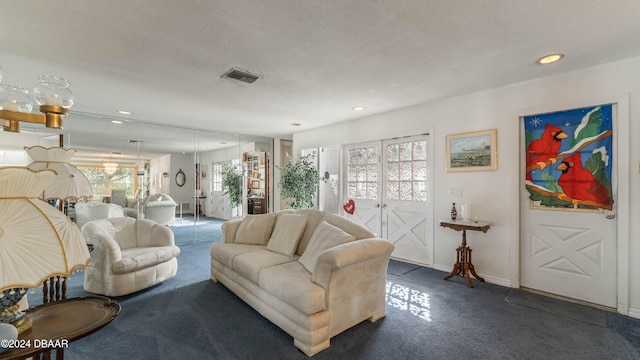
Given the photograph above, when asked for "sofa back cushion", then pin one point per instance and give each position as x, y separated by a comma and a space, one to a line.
357, 230
287, 232
314, 219
255, 229
325, 237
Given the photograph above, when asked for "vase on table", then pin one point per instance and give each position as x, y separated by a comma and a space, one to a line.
465, 211
454, 212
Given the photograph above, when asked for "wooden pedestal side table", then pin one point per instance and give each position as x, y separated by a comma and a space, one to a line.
56, 324
463, 265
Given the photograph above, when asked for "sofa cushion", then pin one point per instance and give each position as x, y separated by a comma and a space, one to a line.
139, 258
224, 253
326, 236
255, 229
315, 218
292, 284
360, 232
251, 263
287, 233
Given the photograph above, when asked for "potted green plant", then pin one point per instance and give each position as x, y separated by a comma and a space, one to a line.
232, 184
299, 181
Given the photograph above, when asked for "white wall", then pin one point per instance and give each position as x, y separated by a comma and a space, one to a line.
494, 193
182, 193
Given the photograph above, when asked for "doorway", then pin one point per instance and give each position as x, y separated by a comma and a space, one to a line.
388, 190
568, 204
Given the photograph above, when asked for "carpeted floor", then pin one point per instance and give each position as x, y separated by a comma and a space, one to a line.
187, 230
190, 317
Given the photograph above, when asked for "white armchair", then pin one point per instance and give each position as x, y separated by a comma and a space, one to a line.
128, 255
159, 208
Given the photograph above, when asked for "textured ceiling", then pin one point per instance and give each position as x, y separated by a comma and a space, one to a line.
163, 59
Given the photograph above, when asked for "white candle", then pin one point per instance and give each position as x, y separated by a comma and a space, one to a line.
11, 105
53, 100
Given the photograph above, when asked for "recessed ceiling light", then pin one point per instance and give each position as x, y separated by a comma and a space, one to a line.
116, 121
296, 124
358, 108
124, 112
550, 59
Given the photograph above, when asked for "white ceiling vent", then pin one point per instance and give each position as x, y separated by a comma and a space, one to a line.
240, 75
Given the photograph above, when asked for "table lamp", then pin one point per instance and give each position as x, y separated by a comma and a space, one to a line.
36, 240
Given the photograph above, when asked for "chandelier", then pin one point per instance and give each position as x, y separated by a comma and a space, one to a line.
110, 167
51, 93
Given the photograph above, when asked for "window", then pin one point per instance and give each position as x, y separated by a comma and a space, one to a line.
125, 178
216, 176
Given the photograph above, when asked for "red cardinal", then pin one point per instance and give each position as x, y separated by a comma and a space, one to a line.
579, 184
544, 148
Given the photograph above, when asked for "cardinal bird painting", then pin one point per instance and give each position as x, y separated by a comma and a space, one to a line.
568, 156
545, 148
579, 184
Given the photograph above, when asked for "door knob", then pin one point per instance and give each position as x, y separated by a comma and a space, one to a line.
610, 215
377, 205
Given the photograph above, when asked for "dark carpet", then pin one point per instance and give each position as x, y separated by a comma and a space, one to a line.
559, 307
190, 317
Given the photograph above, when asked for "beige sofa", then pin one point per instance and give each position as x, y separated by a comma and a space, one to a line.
312, 274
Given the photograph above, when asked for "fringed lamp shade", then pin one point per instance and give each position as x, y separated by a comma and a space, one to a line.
69, 183
36, 240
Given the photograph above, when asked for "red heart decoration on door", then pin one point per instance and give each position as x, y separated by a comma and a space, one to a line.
349, 207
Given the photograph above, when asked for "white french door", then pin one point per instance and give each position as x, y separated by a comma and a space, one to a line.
389, 183
571, 252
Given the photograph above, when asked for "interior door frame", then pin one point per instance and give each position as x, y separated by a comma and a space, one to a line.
622, 146
343, 196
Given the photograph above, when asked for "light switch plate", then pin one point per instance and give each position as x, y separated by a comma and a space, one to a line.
455, 191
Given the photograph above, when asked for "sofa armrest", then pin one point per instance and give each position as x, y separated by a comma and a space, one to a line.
162, 236
105, 252
344, 256
229, 229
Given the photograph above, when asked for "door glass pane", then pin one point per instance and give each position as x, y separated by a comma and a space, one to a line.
420, 191
407, 171
362, 173
372, 155
352, 173
406, 191
405, 152
352, 191
372, 173
419, 170
372, 190
392, 153
393, 190
420, 150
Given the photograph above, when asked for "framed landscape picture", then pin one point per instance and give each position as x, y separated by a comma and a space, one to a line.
473, 151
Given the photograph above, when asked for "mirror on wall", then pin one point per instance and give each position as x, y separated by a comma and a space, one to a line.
149, 158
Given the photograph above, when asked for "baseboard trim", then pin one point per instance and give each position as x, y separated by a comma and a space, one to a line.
634, 313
